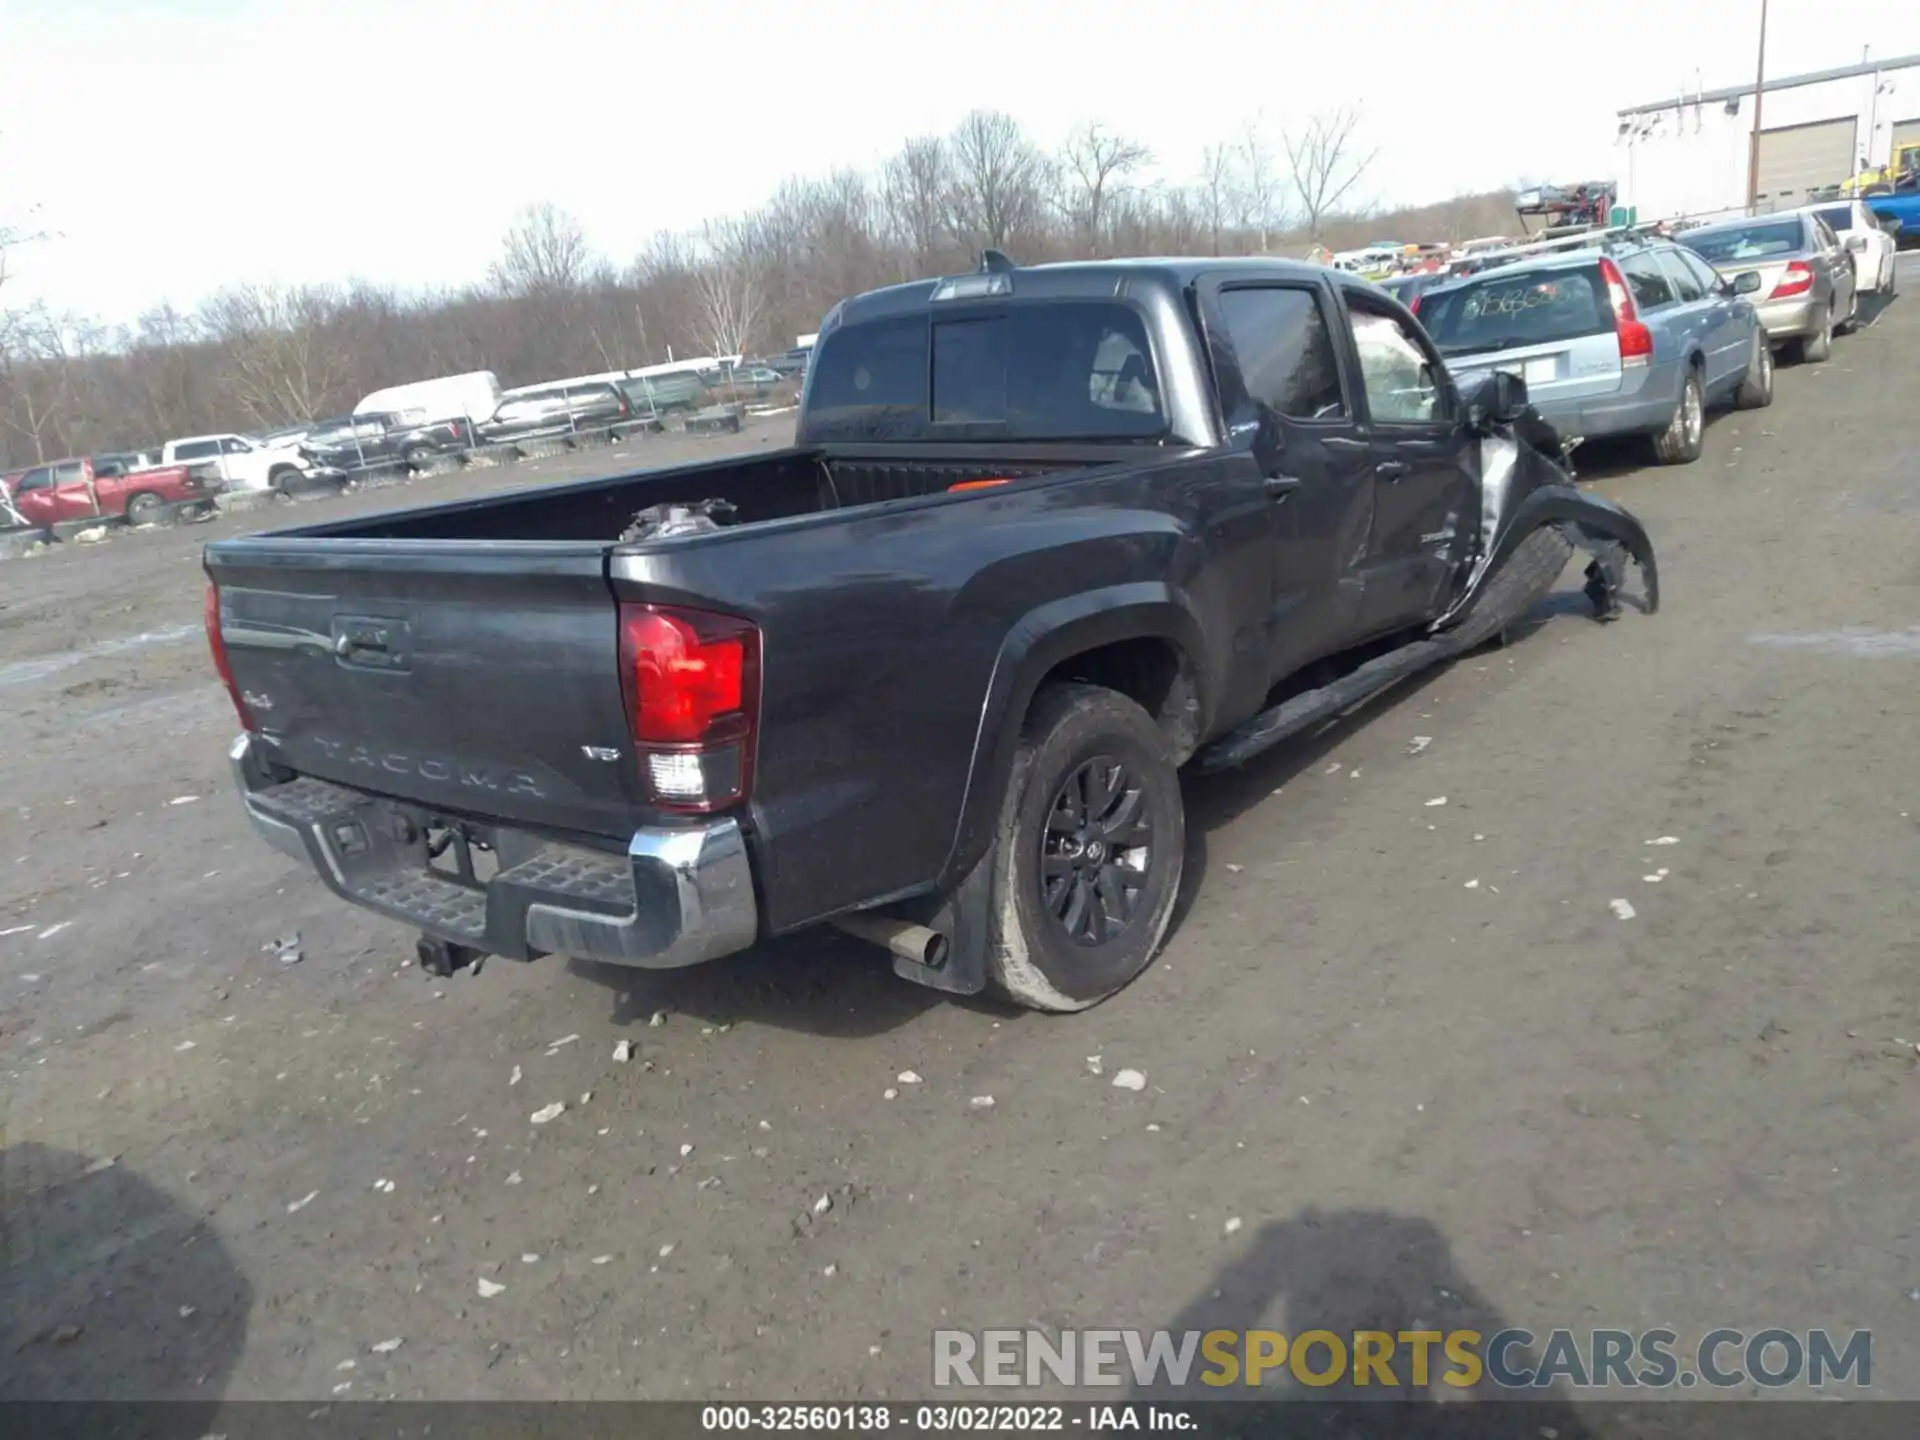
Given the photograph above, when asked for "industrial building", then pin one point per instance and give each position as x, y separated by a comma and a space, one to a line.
1689, 154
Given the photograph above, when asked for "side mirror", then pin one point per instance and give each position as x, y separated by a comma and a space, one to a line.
1856, 243
1500, 399
1747, 282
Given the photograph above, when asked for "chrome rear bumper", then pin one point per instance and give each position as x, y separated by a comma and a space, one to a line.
676, 897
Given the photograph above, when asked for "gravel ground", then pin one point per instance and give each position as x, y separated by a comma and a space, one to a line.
1409, 1046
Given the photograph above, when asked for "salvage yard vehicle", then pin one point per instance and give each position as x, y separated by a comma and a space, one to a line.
545, 412
243, 462
1628, 336
1802, 283
105, 487
1046, 536
1867, 240
373, 438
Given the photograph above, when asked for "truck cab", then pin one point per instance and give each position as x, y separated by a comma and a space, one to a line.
240, 461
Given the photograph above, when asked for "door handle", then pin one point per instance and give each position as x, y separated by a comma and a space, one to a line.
1391, 469
1279, 487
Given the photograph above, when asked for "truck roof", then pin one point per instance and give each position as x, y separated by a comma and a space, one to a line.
1091, 279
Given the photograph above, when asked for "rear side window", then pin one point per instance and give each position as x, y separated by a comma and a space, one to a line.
196, 449
1046, 371
1504, 311
1649, 283
1839, 217
1285, 351
1686, 284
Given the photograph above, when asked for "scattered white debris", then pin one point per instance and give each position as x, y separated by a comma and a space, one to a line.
586, 1097
1129, 1080
1233, 1225
1479, 837
294, 1207
343, 1387
603, 1259
1153, 1127
907, 1077
384, 1186
183, 800
530, 1259
686, 1149
183, 1047
490, 1288
16, 930
187, 1312
657, 1019
765, 1125
1418, 743
1665, 840
53, 930
1334, 769
563, 1040
823, 1204
831, 1271
1653, 879
1473, 885
981, 1102
387, 1347
889, 1093
873, 1349
287, 949
514, 1178
1093, 1063
666, 1250
1436, 802
549, 1112
347, 1365
1622, 908
514, 1078
1235, 869
623, 1051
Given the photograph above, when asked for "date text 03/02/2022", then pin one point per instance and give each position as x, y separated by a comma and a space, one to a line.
880, 1417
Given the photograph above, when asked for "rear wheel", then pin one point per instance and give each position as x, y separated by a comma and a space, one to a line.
281, 478
145, 509
1681, 442
417, 456
1091, 847
1816, 348
1756, 391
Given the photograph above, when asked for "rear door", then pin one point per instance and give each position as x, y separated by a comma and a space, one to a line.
1552, 326
1421, 487
1285, 399
472, 678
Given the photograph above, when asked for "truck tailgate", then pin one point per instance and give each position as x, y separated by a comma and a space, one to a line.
480, 678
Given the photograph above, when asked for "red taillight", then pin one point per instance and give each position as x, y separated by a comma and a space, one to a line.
1796, 279
217, 643
977, 484
1636, 341
692, 682
1413, 305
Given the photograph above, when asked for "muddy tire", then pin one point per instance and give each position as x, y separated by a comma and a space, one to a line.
145, 509
1091, 845
1685, 436
417, 457
1756, 391
1814, 349
1519, 585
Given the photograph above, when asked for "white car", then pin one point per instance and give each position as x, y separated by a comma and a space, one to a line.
1867, 240
243, 462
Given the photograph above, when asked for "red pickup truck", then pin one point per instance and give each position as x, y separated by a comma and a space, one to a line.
106, 488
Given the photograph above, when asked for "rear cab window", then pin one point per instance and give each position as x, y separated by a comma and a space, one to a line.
1043, 370
1505, 310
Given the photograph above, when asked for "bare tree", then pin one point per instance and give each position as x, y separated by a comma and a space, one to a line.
1215, 193
730, 287
1325, 164
283, 357
995, 189
544, 252
913, 190
1096, 164
1257, 182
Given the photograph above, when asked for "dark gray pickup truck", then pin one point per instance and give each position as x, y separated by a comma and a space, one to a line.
1046, 536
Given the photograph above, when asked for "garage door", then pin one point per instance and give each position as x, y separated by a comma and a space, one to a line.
1799, 158
1905, 132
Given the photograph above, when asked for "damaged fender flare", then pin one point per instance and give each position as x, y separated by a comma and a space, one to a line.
1590, 521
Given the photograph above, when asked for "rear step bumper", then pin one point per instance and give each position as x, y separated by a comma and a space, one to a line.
677, 897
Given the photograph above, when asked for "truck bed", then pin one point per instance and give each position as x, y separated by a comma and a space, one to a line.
777, 486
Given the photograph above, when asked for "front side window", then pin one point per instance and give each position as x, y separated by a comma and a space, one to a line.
1401, 386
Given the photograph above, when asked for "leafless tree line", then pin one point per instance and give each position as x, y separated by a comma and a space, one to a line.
258, 356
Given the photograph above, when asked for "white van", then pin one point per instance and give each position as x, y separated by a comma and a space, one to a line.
475, 395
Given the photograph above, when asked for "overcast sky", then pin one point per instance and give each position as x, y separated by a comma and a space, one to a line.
176, 146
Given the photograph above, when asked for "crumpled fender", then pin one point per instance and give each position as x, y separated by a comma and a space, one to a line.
1522, 489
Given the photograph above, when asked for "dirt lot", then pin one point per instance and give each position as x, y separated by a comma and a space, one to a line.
1407, 1045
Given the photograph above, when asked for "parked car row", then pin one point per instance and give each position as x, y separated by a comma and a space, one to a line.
1634, 333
